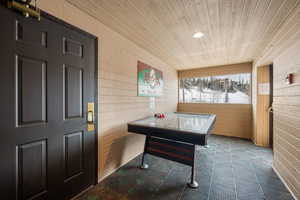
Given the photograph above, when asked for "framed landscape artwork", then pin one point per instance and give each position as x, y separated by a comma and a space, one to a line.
150, 81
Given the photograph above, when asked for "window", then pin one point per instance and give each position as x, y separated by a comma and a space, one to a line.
233, 88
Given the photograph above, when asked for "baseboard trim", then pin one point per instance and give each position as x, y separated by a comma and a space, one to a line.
113, 171
285, 184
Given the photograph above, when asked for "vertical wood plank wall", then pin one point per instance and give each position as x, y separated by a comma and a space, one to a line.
287, 118
118, 101
261, 136
232, 119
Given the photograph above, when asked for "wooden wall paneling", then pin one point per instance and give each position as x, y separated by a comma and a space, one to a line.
287, 176
216, 70
262, 134
254, 100
286, 35
232, 119
286, 106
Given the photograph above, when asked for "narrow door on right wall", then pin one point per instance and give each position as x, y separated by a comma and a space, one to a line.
264, 106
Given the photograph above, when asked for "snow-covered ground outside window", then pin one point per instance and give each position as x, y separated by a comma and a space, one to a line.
234, 88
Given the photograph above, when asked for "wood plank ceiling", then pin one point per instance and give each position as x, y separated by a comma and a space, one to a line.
235, 30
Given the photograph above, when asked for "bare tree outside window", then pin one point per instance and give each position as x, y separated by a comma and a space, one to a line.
233, 88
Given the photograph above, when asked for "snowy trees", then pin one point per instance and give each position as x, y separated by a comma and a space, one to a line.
234, 88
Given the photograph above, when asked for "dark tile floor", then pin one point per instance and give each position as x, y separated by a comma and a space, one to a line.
231, 169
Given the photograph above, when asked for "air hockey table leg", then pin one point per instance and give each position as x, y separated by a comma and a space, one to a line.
206, 146
193, 184
143, 164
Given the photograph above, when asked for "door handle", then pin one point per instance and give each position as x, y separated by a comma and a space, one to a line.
270, 109
90, 117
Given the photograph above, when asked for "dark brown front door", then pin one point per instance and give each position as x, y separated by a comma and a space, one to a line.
47, 79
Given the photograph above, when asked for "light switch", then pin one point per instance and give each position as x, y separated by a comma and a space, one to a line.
152, 103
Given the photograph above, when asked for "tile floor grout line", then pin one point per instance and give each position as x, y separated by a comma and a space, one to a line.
211, 179
260, 187
235, 185
185, 187
182, 192
168, 174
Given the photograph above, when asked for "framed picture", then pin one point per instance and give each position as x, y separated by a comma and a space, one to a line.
150, 81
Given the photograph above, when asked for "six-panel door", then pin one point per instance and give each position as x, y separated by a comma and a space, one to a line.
47, 79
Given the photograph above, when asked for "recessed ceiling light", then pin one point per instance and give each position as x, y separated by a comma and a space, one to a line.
198, 35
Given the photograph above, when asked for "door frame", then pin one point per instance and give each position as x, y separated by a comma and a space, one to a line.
95, 38
271, 136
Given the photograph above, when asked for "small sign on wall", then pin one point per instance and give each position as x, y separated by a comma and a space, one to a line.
264, 88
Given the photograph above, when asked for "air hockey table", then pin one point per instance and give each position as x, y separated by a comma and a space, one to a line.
174, 137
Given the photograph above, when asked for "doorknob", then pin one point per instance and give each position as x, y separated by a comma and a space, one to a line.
90, 117
270, 109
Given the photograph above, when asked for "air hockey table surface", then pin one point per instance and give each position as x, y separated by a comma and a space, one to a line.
184, 127
174, 137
